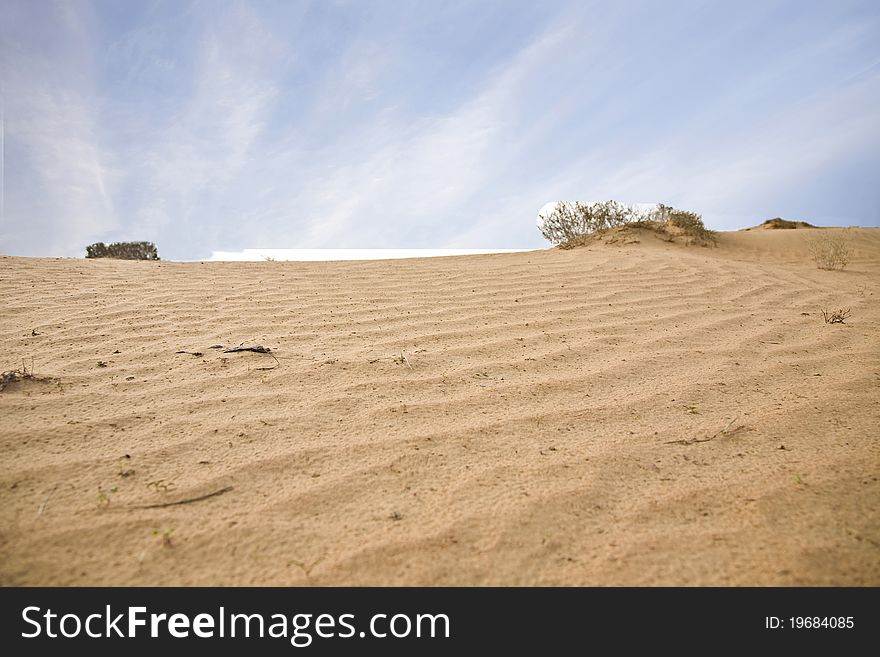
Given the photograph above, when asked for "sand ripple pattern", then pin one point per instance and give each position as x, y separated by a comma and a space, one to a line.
523, 419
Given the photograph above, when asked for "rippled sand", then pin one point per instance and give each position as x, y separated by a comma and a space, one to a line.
645, 413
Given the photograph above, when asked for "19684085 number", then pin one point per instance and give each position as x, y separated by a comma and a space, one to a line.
810, 622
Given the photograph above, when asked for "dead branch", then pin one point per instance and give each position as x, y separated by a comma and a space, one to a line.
835, 317
188, 500
46, 501
403, 360
277, 363
693, 441
257, 349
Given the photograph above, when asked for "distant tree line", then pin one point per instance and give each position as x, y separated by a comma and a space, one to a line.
123, 251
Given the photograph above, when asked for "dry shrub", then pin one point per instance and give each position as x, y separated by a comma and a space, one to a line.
576, 224
830, 250
778, 223
24, 374
570, 223
689, 224
835, 317
123, 251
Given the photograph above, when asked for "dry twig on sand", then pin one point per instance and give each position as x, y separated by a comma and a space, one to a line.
835, 317
257, 349
692, 441
403, 360
188, 500
46, 501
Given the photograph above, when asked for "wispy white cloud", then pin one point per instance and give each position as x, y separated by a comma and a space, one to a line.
409, 176
210, 127
199, 150
58, 173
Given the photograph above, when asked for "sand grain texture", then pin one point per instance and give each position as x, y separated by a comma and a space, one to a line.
549, 423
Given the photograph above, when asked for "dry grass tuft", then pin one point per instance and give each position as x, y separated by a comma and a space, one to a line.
830, 250
835, 317
688, 224
21, 374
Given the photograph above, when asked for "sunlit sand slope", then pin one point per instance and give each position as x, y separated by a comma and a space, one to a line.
645, 413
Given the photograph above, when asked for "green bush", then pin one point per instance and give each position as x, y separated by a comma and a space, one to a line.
123, 251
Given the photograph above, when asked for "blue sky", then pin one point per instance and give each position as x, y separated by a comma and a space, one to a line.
218, 125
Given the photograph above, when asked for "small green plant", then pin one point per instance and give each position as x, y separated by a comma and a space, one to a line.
104, 497
830, 250
164, 536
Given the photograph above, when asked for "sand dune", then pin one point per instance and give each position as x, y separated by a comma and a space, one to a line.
646, 413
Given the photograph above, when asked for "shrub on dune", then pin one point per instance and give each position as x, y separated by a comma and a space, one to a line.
830, 250
689, 224
123, 251
570, 224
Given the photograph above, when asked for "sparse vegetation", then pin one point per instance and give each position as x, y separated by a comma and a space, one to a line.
160, 485
103, 500
123, 251
575, 224
14, 376
830, 250
689, 224
22, 374
402, 360
785, 224
836, 316
570, 223
164, 536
